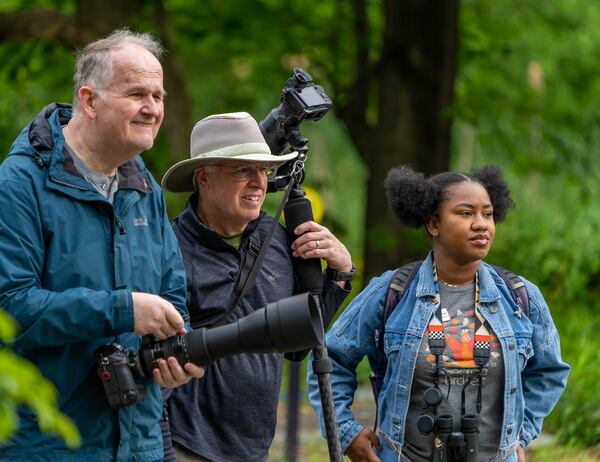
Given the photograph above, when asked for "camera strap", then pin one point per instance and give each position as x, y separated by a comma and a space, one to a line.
481, 344
253, 259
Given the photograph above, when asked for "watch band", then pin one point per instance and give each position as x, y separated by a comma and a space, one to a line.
335, 275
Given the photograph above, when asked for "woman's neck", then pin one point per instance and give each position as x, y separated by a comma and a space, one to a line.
454, 273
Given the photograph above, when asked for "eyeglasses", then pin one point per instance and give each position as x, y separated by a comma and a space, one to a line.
248, 172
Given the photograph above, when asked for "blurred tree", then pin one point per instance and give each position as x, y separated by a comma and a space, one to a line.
394, 107
391, 66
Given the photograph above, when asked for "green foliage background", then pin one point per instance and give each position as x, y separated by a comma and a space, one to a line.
527, 99
22, 384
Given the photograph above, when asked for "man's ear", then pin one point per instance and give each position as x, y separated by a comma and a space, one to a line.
432, 226
87, 100
201, 176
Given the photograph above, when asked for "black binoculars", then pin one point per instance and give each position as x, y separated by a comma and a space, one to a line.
449, 445
459, 446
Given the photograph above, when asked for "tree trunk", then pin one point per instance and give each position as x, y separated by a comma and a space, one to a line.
413, 81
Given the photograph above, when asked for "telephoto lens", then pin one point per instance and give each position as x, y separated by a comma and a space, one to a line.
288, 325
470, 427
444, 428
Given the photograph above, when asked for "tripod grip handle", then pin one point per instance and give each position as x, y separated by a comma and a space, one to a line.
309, 275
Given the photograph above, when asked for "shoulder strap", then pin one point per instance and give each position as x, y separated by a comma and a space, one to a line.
254, 257
516, 286
400, 281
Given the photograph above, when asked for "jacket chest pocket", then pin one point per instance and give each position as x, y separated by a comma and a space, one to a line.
393, 342
524, 350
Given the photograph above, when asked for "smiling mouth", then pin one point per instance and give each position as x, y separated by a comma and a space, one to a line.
480, 240
254, 199
143, 124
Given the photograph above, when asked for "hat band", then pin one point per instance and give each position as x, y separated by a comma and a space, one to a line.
236, 151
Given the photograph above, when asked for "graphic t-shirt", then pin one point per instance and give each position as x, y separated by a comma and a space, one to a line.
457, 370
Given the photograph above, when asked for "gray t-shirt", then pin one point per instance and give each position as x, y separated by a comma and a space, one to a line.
105, 185
455, 366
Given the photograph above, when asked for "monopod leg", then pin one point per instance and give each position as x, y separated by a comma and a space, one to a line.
322, 367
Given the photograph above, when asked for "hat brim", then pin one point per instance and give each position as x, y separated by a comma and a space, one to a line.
179, 177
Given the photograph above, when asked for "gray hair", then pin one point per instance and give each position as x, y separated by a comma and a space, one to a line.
93, 63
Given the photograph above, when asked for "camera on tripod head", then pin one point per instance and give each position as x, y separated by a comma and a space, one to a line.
288, 325
300, 100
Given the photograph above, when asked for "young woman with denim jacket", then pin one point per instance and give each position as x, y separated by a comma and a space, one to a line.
495, 364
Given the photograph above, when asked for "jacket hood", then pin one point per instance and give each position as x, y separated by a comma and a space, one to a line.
38, 137
43, 140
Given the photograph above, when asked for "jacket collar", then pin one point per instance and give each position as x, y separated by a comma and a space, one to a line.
488, 292
190, 221
46, 140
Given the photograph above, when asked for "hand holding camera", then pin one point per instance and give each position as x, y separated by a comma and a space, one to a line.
153, 315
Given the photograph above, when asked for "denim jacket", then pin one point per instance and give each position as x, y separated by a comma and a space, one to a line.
535, 374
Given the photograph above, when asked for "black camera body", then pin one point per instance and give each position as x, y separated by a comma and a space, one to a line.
301, 100
115, 368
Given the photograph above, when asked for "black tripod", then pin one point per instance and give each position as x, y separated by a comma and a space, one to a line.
298, 210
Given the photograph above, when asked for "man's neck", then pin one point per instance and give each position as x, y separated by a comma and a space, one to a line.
222, 229
82, 145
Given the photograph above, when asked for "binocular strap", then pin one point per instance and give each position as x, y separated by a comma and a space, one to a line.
437, 341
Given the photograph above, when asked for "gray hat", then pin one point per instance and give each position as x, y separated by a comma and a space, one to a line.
234, 136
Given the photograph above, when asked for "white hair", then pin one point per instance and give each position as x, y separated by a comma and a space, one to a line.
93, 63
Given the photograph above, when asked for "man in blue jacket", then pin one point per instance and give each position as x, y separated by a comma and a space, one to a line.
87, 255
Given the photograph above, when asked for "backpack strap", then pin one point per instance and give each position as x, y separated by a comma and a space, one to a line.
517, 289
251, 261
400, 281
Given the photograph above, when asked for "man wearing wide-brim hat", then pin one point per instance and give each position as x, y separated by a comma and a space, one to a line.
230, 414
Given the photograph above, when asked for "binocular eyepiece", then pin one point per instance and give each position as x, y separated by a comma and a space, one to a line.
288, 325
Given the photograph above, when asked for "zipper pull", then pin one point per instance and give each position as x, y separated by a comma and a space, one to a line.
120, 226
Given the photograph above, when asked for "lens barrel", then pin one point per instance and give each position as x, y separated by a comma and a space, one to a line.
288, 325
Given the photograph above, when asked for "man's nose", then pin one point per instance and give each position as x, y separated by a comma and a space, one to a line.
152, 106
258, 177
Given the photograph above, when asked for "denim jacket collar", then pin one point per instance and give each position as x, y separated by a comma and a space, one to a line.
488, 292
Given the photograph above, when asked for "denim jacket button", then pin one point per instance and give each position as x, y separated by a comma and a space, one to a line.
509, 431
513, 390
494, 309
511, 346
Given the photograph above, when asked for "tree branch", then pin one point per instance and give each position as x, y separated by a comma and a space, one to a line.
44, 25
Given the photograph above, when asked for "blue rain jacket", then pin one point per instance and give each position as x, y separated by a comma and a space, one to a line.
69, 261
